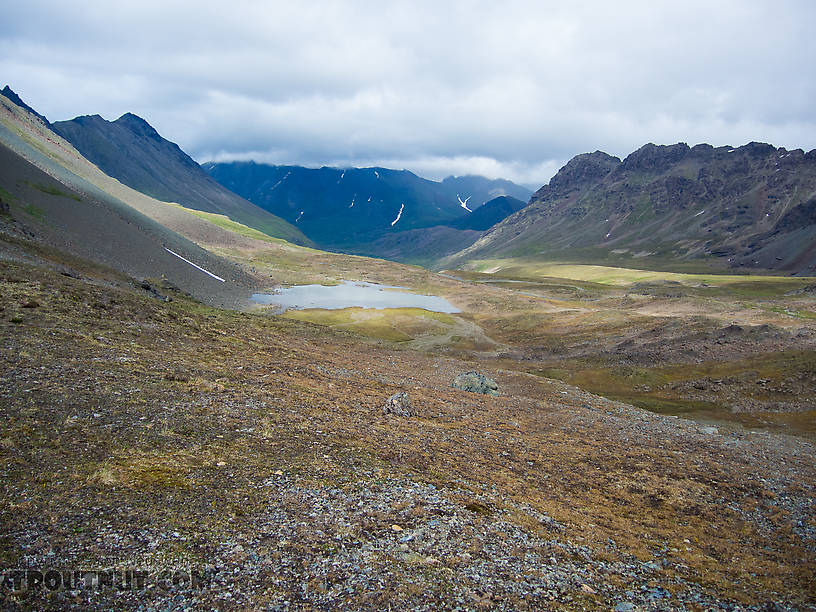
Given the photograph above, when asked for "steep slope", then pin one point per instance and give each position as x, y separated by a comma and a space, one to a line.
753, 206
349, 208
29, 136
52, 195
130, 150
46, 211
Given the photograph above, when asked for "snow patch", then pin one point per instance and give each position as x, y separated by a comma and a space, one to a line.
195, 265
399, 214
280, 181
463, 204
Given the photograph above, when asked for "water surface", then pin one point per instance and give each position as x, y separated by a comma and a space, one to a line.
350, 295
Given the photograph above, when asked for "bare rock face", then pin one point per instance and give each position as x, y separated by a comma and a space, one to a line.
476, 383
399, 404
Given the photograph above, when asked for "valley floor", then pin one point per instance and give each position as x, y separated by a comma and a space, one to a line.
253, 451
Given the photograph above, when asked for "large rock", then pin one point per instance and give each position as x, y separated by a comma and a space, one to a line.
476, 383
399, 404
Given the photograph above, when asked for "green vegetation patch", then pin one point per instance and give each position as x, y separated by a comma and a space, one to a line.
674, 389
390, 324
609, 275
228, 224
55, 191
7, 196
34, 211
799, 314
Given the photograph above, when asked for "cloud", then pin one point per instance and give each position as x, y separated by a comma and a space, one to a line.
439, 88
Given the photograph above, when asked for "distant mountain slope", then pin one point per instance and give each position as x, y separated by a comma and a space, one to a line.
130, 150
346, 208
423, 247
482, 189
753, 206
488, 215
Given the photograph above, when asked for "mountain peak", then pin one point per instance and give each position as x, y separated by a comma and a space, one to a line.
651, 157
584, 167
138, 125
132, 118
90, 119
9, 93
758, 149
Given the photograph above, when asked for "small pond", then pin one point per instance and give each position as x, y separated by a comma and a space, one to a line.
350, 295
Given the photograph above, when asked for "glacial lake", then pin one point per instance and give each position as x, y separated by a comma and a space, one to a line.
351, 294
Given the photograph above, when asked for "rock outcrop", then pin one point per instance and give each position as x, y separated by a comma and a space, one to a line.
475, 382
399, 404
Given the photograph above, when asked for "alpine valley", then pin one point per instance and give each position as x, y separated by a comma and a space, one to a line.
614, 410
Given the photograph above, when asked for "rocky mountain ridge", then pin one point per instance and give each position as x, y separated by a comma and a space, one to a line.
752, 206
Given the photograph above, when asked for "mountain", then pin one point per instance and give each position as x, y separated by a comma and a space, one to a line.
58, 208
354, 208
132, 151
753, 206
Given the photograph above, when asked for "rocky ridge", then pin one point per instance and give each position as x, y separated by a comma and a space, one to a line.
752, 206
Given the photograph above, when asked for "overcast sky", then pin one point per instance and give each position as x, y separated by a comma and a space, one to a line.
504, 89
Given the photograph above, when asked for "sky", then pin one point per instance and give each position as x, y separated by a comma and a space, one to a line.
508, 89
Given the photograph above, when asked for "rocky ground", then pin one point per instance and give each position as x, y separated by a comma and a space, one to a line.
253, 453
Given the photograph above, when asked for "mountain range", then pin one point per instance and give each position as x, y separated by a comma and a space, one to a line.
357, 209
752, 206
124, 170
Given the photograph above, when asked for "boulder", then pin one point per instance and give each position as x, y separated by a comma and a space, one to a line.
476, 383
399, 404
